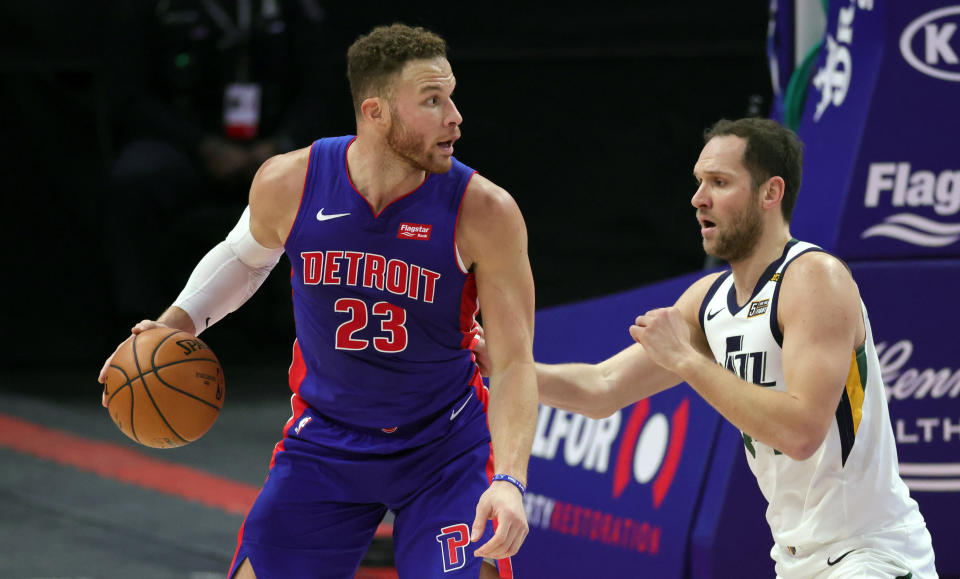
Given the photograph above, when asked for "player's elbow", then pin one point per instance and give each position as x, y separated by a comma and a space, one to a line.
598, 408
803, 445
585, 389
581, 402
800, 453
598, 401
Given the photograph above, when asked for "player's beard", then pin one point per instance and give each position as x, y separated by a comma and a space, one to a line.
410, 146
741, 239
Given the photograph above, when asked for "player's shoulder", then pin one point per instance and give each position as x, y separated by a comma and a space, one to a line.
699, 289
691, 300
489, 223
277, 189
483, 191
818, 263
281, 177
281, 169
706, 281
818, 277
817, 274
487, 204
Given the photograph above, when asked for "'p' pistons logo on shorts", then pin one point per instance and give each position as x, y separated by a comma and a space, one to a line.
453, 540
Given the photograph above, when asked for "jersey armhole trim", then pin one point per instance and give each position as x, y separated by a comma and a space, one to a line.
709, 295
775, 299
303, 194
456, 227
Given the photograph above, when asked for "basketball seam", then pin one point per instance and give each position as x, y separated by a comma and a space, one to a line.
175, 389
156, 370
133, 399
120, 387
153, 357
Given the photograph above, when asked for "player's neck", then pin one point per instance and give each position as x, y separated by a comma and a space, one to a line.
379, 174
747, 271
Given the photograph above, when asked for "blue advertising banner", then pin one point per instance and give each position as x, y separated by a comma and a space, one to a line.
881, 189
882, 179
919, 355
904, 196
618, 497
835, 115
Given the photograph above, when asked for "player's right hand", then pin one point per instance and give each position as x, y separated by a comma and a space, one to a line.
140, 327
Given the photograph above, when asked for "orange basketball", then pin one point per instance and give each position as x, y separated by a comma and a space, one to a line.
164, 388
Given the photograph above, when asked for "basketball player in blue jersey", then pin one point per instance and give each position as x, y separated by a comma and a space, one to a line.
393, 244
780, 344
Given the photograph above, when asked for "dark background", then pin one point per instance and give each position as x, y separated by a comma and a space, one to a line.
590, 114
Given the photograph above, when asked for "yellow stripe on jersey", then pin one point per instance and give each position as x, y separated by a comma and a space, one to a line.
856, 383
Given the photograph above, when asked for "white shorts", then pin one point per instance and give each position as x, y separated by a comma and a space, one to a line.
896, 554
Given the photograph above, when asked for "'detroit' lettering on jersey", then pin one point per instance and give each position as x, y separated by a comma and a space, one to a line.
382, 303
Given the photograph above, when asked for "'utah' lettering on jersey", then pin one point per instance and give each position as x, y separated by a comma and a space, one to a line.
851, 485
382, 303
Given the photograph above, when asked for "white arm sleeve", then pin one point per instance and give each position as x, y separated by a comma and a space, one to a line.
227, 276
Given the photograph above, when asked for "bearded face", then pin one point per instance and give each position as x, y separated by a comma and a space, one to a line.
414, 147
739, 237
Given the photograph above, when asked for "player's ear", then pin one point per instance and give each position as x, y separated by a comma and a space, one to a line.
771, 192
373, 110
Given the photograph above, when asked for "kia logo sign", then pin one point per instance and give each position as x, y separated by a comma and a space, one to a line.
938, 44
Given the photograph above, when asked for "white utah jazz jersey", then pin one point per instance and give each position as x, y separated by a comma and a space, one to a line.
851, 485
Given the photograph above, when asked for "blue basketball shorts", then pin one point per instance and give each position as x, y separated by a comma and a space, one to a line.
322, 502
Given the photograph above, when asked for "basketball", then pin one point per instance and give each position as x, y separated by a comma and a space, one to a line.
164, 388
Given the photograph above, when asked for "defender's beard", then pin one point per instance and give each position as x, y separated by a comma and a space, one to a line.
741, 239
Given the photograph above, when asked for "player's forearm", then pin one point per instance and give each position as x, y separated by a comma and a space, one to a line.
778, 419
177, 318
574, 387
512, 416
227, 276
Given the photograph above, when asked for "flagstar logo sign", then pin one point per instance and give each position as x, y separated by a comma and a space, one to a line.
899, 185
414, 231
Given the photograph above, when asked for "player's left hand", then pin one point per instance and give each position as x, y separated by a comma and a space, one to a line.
480, 351
503, 502
665, 336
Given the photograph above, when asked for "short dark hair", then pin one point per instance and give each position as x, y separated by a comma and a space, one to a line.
772, 150
372, 59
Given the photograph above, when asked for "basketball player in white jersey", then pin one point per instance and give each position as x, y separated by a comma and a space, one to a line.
780, 345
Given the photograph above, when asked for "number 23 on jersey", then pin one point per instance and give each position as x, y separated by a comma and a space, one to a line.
392, 318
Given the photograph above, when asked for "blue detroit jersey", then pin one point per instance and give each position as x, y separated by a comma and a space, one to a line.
383, 308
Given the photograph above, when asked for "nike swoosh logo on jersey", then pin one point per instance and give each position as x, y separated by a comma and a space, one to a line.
712, 315
322, 217
462, 406
838, 559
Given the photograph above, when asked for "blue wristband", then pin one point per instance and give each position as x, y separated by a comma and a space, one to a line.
511, 480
